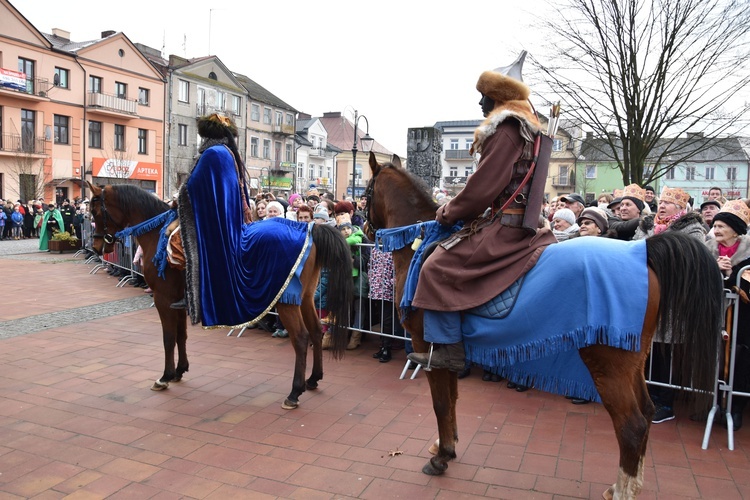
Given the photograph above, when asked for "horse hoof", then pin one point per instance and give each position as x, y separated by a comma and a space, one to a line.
609, 493
311, 385
159, 385
431, 468
178, 378
289, 404
435, 447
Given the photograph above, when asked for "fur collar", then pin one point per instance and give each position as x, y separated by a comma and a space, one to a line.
520, 110
647, 223
742, 254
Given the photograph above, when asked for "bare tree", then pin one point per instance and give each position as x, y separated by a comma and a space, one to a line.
658, 81
28, 174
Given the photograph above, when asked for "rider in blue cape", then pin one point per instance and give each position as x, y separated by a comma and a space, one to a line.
493, 251
236, 269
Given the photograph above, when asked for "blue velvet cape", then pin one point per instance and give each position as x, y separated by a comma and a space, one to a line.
244, 268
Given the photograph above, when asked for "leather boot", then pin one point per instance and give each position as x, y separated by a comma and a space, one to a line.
450, 356
326, 341
354, 340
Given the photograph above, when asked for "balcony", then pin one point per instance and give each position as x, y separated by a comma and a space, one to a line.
319, 153
111, 105
283, 129
18, 85
458, 154
455, 180
563, 181
15, 143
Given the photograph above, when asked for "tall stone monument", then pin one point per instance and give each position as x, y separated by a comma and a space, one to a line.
423, 149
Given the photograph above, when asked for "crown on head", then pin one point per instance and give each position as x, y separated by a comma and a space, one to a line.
676, 196
738, 208
634, 191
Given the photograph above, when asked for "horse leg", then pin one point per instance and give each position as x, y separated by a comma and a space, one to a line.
169, 328
312, 323
618, 375
444, 390
182, 361
291, 317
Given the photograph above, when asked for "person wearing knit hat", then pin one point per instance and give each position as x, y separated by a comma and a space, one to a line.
637, 196
628, 213
650, 198
593, 222
564, 223
731, 249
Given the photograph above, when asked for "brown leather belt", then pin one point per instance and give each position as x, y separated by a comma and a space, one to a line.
512, 217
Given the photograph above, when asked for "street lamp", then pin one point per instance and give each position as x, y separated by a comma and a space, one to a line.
366, 147
268, 170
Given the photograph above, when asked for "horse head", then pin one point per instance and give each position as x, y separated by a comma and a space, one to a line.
104, 215
395, 197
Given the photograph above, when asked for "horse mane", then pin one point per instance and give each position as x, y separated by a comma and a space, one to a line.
135, 198
419, 195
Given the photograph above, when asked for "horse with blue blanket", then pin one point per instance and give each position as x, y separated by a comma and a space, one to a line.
237, 271
625, 290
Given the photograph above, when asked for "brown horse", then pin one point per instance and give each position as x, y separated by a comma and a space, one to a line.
115, 207
679, 267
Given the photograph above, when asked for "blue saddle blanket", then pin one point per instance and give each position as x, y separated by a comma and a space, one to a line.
581, 292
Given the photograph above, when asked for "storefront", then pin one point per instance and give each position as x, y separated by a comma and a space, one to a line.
118, 171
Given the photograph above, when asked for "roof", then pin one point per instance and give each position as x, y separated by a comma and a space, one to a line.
698, 149
458, 123
260, 94
341, 133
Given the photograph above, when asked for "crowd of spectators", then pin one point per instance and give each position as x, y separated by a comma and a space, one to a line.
21, 220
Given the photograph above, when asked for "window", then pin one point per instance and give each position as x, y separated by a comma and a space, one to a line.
144, 96
329, 171
236, 104
142, 141
121, 90
61, 129
454, 144
254, 147
255, 112
301, 170
95, 135
288, 155
320, 171
731, 173
183, 94
266, 149
28, 129
267, 116
119, 137
467, 143
221, 100
710, 171
61, 78
277, 151
689, 173
562, 179
26, 66
311, 172
182, 134
647, 171
670, 174
591, 171
557, 145
289, 119
279, 118
453, 171
212, 76
95, 85
468, 171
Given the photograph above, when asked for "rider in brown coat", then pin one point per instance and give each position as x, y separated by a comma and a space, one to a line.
488, 261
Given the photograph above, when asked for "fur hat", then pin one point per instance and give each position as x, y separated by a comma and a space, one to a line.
343, 206
565, 214
216, 126
597, 215
676, 196
736, 215
636, 194
505, 84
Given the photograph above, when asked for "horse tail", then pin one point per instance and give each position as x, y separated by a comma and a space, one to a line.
333, 254
691, 304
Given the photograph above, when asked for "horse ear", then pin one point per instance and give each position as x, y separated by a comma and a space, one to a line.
374, 165
396, 160
93, 188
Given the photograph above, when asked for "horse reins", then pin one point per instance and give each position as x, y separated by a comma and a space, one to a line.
108, 237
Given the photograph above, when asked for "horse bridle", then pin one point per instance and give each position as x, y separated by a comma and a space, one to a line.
107, 236
369, 192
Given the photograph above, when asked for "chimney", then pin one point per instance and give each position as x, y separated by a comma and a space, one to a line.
589, 136
332, 114
59, 33
107, 33
304, 116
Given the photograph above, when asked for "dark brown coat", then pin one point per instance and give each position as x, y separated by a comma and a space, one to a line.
480, 267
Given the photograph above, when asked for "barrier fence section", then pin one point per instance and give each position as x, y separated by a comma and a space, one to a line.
379, 317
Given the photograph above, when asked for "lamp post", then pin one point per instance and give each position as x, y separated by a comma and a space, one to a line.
268, 170
366, 147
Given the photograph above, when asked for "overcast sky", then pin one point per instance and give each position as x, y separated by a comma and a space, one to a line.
401, 63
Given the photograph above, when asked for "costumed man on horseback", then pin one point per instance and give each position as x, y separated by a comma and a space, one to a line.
497, 245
